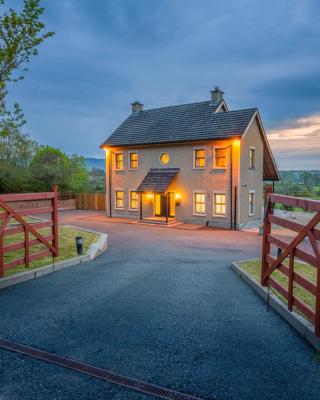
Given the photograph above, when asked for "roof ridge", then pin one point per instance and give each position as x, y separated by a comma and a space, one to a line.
240, 109
183, 104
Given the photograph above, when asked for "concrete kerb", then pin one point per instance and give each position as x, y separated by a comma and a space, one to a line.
93, 251
301, 325
98, 246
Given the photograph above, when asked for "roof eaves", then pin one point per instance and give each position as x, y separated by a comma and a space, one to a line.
207, 139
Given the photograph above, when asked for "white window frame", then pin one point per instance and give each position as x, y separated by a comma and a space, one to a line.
214, 165
194, 157
129, 160
214, 204
115, 161
194, 203
115, 199
133, 209
254, 202
254, 157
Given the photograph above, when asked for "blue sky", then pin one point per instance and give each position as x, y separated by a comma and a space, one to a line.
107, 53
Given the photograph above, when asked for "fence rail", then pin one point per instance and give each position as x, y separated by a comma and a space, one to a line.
66, 195
32, 236
91, 201
290, 250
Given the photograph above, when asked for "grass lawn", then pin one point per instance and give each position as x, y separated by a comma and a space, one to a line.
67, 247
254, 269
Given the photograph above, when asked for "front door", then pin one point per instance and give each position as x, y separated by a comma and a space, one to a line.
161, 203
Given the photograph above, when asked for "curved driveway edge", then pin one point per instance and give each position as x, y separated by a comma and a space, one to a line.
94, 250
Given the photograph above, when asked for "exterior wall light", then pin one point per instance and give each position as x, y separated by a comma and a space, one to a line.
149, 196
177, 198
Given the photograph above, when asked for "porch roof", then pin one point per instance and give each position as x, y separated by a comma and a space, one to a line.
158, 180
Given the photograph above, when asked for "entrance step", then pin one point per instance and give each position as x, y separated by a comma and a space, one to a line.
150, 221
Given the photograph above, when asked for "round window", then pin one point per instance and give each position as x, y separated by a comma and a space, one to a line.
164, 158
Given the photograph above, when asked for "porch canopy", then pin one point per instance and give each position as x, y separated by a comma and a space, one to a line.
158, 180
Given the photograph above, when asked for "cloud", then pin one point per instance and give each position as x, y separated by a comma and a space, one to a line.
296, 144
107, 53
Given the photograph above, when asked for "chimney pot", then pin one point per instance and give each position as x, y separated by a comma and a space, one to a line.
136, 106
216, 94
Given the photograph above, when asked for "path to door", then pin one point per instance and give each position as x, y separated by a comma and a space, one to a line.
162, 305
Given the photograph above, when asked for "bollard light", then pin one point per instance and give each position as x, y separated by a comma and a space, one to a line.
79, 244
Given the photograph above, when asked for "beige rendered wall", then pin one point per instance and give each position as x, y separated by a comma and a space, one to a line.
251, 179
188, 180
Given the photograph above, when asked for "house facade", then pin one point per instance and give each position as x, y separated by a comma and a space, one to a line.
196, 163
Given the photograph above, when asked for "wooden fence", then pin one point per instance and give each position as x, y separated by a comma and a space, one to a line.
291, 249
91, 201
13, 222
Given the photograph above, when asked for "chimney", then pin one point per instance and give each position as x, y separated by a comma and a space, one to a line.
136, 106
216, 94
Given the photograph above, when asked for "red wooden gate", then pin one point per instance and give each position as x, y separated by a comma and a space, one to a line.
289, 249
7, 212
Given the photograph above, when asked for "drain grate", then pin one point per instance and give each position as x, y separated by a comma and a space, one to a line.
100, 373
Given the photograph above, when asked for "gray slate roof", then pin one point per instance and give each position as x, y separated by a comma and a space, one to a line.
182, 123
158, 180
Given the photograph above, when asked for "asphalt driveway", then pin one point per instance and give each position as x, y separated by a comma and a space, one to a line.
162, 305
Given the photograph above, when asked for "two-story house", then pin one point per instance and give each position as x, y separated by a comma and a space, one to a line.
197, 163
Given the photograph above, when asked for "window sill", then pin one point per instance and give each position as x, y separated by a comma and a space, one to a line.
134, 209
219, 216
220, 168
199, 168
133, 169
199, 215
116, 208
251, 215
118, 170
252, 169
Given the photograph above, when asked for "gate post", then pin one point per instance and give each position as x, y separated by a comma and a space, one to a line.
317, 309
1, 256
54, 218
267, 189
266, 232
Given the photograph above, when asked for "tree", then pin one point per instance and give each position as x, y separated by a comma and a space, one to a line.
51, 166
21, 33
16, 152
16, 148
97, 180
307, 180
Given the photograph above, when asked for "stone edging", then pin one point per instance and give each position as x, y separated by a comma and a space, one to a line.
304, 328
93, 251
98, 246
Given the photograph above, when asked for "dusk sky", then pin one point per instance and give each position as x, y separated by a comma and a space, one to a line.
107, 53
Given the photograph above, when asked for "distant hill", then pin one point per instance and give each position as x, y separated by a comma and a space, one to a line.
300, 176
96, 162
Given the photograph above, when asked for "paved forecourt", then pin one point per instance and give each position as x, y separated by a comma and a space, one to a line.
162, 305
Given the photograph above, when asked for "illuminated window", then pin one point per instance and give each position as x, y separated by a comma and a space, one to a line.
133, 160
199, 203
219, 204
164, 158
199, 158
251, 202
220, 158
252, 158
134, 200
119, 160
119, 198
